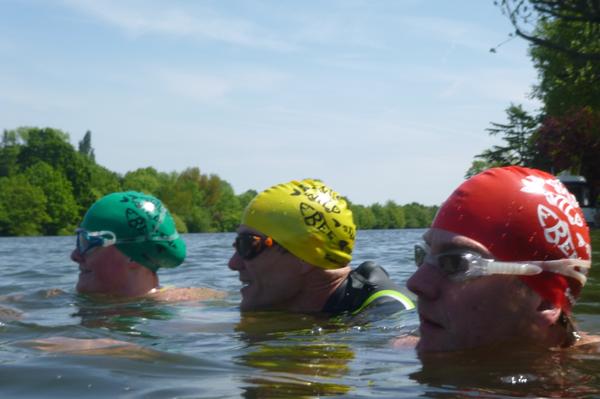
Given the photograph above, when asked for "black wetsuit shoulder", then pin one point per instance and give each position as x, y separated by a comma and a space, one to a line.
360, 289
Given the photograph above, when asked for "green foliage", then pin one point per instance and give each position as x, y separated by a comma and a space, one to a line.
22, 207
61, 207
478, 166
85, 147
9, 155
227, 211
567, 83
565, 49
572, 16
103, 181
46, 186
517, 148
418, 215
363, 217
392, 216
203, 202
145, 180
246, 197
179, 225
52, 147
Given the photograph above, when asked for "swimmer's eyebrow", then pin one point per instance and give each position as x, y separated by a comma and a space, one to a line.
456, 247
452, 246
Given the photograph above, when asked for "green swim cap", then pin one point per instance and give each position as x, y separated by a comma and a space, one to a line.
308, 219
144, 228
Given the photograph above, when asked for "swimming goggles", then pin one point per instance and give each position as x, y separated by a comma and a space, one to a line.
461, 264
87, 240
249, 245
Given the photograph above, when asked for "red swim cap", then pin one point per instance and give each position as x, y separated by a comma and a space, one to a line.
522, 214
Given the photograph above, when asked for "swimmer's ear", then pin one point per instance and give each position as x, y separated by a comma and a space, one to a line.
131, 264
548, 313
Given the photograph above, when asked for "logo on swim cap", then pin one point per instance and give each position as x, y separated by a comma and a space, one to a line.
308, 219
144, 228
557, 224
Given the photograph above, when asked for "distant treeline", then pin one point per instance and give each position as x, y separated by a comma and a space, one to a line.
46, 186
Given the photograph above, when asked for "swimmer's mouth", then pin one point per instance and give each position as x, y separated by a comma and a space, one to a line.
425, 322
84, 271
245, 282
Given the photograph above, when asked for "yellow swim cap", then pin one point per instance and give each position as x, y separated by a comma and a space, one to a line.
308, 219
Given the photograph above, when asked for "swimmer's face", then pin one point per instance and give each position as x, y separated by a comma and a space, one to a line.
103, 270
271, 279
478, 312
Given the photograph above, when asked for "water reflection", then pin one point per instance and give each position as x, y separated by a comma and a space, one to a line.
491, 373
210, 350
292, 356
120, 315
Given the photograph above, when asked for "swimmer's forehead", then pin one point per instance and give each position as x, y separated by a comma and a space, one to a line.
442, 241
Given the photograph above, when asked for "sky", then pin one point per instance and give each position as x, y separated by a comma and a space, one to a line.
383, 99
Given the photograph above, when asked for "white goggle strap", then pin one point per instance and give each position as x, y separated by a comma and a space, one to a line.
109, 238
171, 237
513, 268
574, 268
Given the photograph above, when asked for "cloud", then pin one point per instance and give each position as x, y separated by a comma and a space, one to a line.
209, 87
195, 86
495, 84
457, 33
144, 18
36, 99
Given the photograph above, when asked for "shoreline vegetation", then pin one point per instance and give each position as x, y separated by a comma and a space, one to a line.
46, 186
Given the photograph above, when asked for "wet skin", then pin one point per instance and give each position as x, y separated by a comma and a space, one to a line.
105, 270
271, 280
457, 315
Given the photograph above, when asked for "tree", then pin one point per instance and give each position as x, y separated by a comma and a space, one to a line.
517, 149
478, 166
85, 147
572, 15
395, 215
102, 180
61, 207
146, 180
516, 135
566, 84
418, 215
226, 212
9, 153
52, 147
363, 217
245, 198
22, 205
572, 142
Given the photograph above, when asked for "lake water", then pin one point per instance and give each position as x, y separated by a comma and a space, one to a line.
208, 350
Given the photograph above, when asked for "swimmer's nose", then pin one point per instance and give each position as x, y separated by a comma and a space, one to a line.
236, 262
425, 282
76, 256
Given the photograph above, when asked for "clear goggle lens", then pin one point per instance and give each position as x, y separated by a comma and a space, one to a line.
463, 264
87, 240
